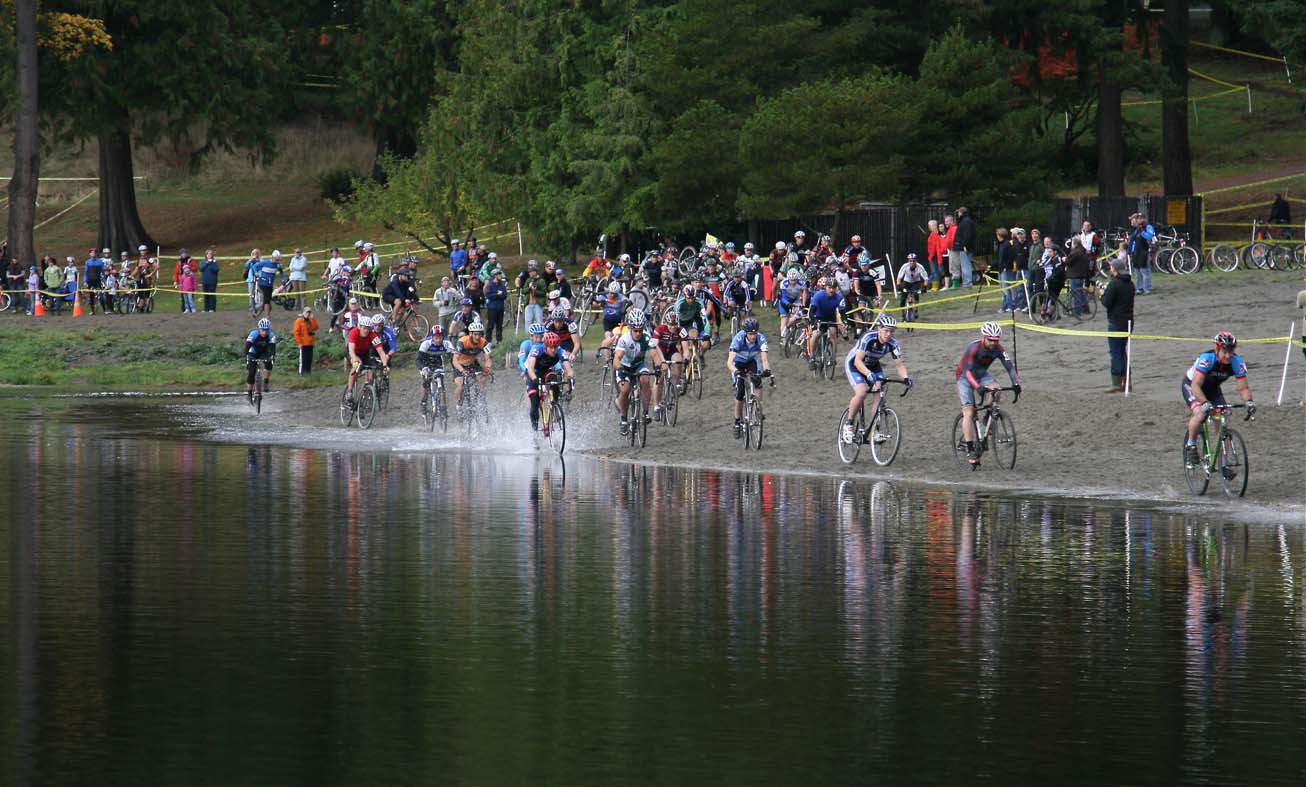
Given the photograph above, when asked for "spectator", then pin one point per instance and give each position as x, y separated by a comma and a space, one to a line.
92, 278
334, 265
305, 333
487, 270
1020, 246
1004, 262
254, 261
476, 292
53, 283
1140, 248
209, 270
963, 246
299, 276
1091, 240
496, 298
457, 258
34, 287
110, 294
953, 278
1118, 300
1035, 253
1280, 211
70, 273
14, 281
536, 290
446, 301
187, 284
1078, 267
934, 254
183, 260
564, 285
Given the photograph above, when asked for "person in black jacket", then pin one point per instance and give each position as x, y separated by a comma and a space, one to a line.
1004, 262
1118, 300
963, 245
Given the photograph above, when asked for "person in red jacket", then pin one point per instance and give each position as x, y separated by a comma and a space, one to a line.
934, 253
952, 277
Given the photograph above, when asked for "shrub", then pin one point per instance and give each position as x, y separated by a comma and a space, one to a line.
337, 185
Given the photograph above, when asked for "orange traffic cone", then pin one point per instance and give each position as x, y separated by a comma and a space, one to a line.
38, 310
77, 303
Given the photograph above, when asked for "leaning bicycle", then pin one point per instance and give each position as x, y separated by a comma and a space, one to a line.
994, 431
883, 434
1223, 455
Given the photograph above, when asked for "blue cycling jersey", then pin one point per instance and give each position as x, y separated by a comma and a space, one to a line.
791, 290
527, 346
266, 271
612, 309
1216, 373
746, 351
389, 339
258, 346
824, 306
875, 350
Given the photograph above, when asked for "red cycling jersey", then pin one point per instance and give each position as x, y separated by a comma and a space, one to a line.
668, 338
363, 343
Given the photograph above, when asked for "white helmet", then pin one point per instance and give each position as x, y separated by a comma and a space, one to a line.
493, 256
780, 245
276, 254
378, 320
476, 327
367, 246
555, 294
141, 247
614, 288
748, 247
886, 321
991, 330
364, 322
624, 258
635, 319
358, 244
800, 234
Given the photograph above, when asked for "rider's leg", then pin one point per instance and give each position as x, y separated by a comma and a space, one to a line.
1195, 425
857, 400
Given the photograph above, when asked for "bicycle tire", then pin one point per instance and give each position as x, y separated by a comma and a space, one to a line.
753, 424
1224, 257
670, 394
888, 425
1256, 255
366, 407
1299, 255
1196, 476
427, 408
829, 364
1002, 439
1281, 257
416, 327
346, 410
1043, 308
1233, 457
258, 390
959, 445
697, 379
1161, 262
633, 421
557, 421
638, 298
606, 381
5, 301
847, 451
786, 341
586, 319
1186, 260
441, 403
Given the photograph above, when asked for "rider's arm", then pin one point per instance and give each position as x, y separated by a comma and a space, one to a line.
1199, 377
1011, 370
530, 368
1244, 389
730, 362
766, 360
902, 369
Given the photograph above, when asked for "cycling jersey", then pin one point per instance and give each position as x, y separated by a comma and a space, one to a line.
824, 307
913, 274
976, 359
350, 319
1216, 373
266, 271
791, 292
563, 328
746, 352
614, 307
399, 291
430, 353
523, 352
633, 351
389, 339
668, 338
689, 310
469, 346
738, 293
363, 343
544, 362
258, 346
875, 350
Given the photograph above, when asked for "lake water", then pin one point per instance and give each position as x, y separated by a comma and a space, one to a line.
183, 610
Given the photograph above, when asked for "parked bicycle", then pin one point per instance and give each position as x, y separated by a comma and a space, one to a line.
994, 431
1044, 308
883, 434
1224, 457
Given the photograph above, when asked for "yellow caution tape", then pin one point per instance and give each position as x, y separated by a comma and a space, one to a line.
1204, 45
405, 242
1242, 186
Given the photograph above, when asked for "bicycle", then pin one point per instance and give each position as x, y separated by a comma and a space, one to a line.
637, 418
910, 312
1045, 308
362, 404
472, 405
754, 420
553, 419
884, 434
607, 375
435, 402
669, 393
256, 396
994, 431
1226, 455
694, 370
412, 322
795, 332
823, 364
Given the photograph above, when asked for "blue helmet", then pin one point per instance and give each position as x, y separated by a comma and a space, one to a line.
536, 329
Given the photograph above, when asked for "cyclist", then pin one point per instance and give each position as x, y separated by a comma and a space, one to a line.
1201, 387
266, 271
430, 358
567, 331
261, 344
365, 352
692, 317
350, 318
854, 250
614, 307
463, 318
400, 293
825, 311
747, 351
864, 371
712, 308
737, 294
542, 360
793, 293
557, 301
973, 374
633, 355
911, 279
866, 284
670, 338
389, 337
470, 350
534, 338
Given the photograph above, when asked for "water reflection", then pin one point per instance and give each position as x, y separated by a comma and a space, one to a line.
184, 610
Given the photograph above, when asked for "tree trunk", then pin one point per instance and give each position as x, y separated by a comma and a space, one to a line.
27, 142
120, 223
398, 141
1177, 157
1110, 135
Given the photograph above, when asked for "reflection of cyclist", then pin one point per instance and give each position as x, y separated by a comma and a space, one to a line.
1201, 387
973, 374
260, 345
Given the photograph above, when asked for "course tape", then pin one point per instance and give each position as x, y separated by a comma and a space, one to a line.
408, 242
1204, 45
1243, 186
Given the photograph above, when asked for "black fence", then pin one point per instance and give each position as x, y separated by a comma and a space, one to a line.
1107, 213
892, 229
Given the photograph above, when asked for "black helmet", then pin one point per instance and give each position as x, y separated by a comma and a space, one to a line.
750, 325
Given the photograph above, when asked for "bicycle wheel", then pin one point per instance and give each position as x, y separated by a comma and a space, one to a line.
1196, 475
848, 449
670, 394
346, 409
1233, 464
440, 405
606, 382
1281, 257
787, 341
366, 406
1256, 255
885, 437
959, 445
1002, 439
417, 327
633, 420
830, 365
1224, 257
258, 391
1161, 262
641, 415
638, 298
1186, 260
1044, 308
5, 301
1299, 256
697, 379
427, 407
557, 428
753, 424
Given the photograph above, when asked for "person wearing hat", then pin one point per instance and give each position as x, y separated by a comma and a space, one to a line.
496, 299
209, 270
457, 258
487, 270
1118, 300
445, 300
183, 260
463, 318
305, 333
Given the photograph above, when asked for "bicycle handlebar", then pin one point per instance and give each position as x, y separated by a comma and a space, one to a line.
990, 391
906, 389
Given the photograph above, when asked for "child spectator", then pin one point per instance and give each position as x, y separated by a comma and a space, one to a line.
186, 283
